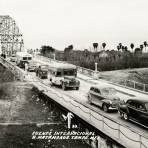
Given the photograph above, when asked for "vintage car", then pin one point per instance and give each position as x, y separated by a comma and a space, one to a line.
104, 97
64, 75
136, 110
32, 66
42, 71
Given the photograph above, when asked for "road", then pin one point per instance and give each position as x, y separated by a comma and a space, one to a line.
81, 96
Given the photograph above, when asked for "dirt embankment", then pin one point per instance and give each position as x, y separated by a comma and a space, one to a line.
138, 75
5, 75
18, 103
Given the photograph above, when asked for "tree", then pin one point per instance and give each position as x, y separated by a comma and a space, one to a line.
145, 44
125, 48
118, 47
67, 51
95, 45
70, 47
141, 47
103, 45
138, 50
132, 46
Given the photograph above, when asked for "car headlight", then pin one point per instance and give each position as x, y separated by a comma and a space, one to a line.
110, 101
78, 82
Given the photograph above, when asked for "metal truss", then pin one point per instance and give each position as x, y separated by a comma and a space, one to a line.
11, 40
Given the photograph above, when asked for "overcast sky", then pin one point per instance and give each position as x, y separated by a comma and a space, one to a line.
59, 23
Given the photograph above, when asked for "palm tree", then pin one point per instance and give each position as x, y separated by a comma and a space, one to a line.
95, 45
118, 47
132, 46
125, 48
141, 47
103, 45
145, 44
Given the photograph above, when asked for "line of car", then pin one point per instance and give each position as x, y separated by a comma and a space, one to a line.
104, 96
134, 109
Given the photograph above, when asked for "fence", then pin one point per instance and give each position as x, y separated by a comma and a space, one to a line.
17, 72
121, 133
135, 85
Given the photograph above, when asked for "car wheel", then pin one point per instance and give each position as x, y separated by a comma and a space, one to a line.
105, 108
77, 88
89, 99
121, 114
125, 116
63, 86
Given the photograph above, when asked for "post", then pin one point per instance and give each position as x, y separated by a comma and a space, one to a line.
96, 67
69, 116
134, 84
144, 88
96, 71
119, 131
140, 141
54, 56
99, 141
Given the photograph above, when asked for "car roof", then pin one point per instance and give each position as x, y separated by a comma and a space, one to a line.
63, 66
43, 65
102, 86
139, 100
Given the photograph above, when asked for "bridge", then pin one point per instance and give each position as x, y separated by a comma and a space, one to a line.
126, 133
11, 38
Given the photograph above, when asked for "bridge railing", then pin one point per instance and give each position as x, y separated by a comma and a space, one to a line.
16, 71
117, 130
135, 85
82, 70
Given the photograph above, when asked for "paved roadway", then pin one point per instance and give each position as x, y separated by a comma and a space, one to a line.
81, 95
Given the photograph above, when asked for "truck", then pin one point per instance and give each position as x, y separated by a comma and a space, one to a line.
64, 75
22, 58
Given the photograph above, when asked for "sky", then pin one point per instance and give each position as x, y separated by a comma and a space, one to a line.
59, 23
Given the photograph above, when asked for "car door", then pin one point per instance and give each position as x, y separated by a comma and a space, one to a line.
91, 95
142, 114
132, 107
97, 97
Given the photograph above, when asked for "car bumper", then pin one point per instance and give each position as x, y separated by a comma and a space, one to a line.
70, 86
113, 108
31, 69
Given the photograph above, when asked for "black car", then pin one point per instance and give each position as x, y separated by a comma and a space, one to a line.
135, 110
42, 71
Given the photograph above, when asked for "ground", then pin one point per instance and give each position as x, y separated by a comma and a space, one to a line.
22, 109
138, 75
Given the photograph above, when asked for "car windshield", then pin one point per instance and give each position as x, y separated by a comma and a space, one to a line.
29, 58
146, 106
69, 72
24, 58
108, 91
44, 66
